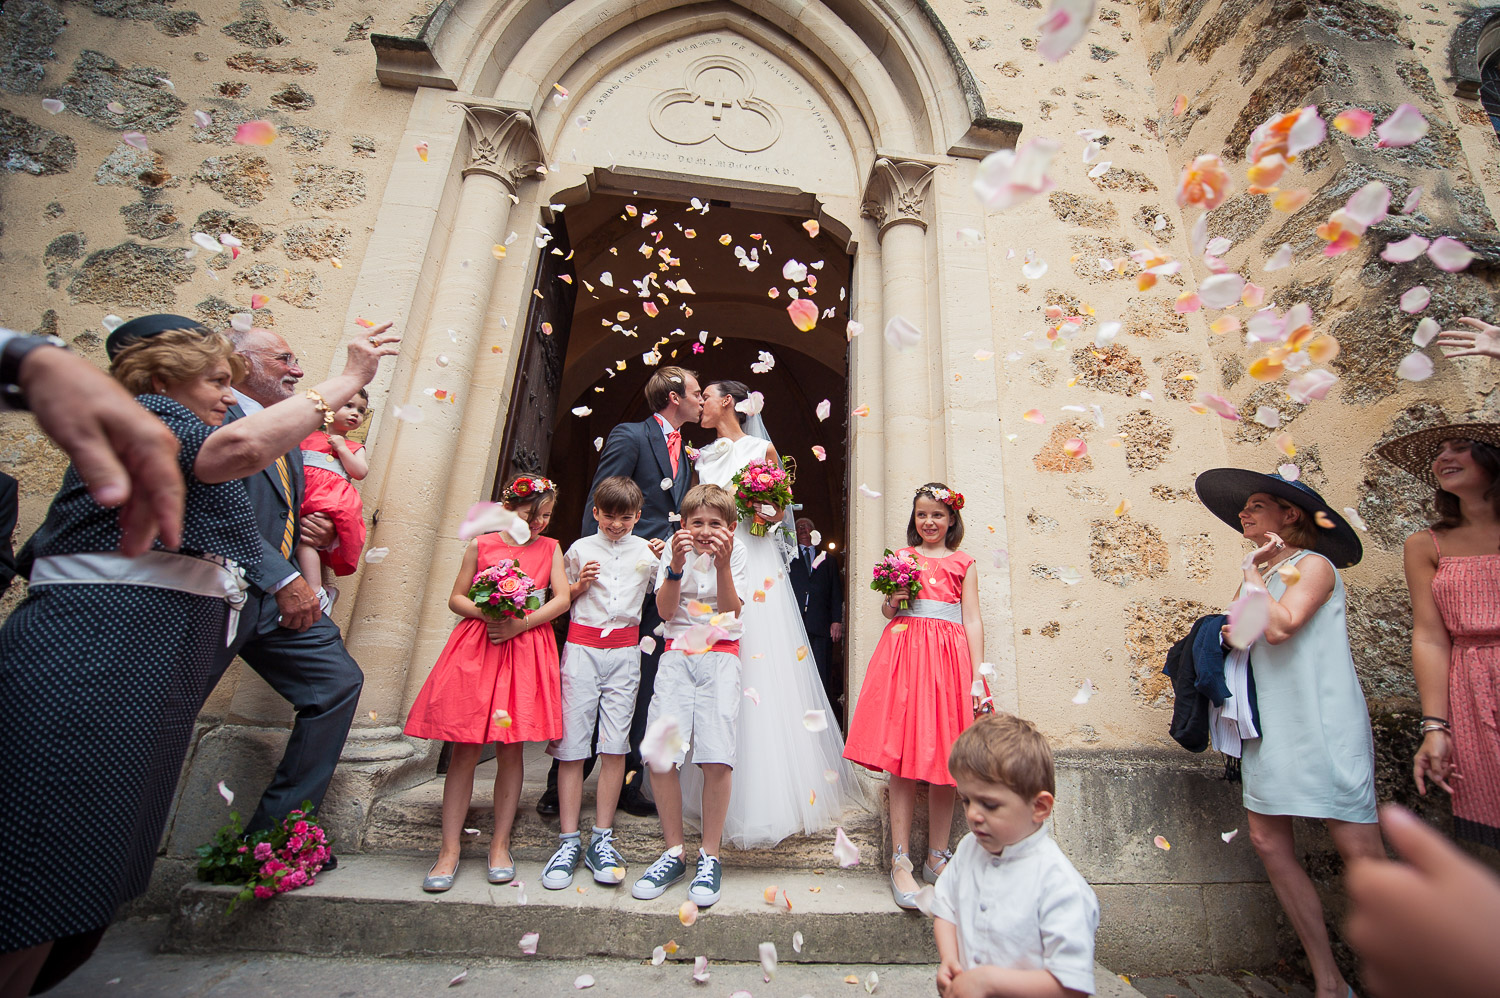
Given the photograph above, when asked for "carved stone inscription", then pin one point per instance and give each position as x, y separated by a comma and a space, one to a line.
717, 105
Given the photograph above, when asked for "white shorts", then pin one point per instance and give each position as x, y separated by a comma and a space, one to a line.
596, 683
703, 693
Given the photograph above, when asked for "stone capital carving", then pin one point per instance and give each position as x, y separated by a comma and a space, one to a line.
897, 192
503, 144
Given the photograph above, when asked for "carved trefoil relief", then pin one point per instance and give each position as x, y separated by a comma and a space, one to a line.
717, 101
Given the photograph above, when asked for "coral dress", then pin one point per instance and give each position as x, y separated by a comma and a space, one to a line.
474, 678
915, 699
331, 492
1467, 593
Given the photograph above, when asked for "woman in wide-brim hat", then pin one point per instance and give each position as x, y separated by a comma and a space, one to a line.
106, 662
1453, 576
1315, 757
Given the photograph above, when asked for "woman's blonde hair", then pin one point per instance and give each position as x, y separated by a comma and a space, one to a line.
174, 356
1303, 532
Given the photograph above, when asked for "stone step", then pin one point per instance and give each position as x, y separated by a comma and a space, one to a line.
373, 905
410, 822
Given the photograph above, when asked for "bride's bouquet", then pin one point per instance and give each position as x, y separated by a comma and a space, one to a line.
503, 590
898, 575
761, 491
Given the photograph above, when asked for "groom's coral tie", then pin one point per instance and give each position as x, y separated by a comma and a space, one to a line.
674, 449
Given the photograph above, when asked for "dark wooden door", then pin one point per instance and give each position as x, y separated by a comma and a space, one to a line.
533, 402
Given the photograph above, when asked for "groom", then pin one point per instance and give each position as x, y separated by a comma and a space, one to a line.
650, 453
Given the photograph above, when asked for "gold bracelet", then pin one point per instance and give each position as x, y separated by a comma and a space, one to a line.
321, 406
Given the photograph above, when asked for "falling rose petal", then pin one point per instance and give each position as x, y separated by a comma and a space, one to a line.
202, 119
208, 242
1204, 182
853, 329
1412, 200
375, 556
1322, 350
1033, 268
860, 410
1283, 442
462, 976
794, 271
1447, 253
647, 645
1267, 417
52, 105
1415, 299
1122, 508
767, 961
1224, 324
1354, 123
871, 982
1229, 835
1405, 250
1358, 522
1179, 106
1290, 201
115, 107
1064, 25
811, 225
1253, 295
255, 133
1069, 575
700, 967
1404, 127
1075, 447
1368, 205
666, 485
258, 301
804, 314
1187, 303
1289, 471
1323, 520
1414, 367
819, 452
687, 913
1426, 330
528, 943
1220, 405
226, 793
845, 853
658, 956
815, 721
660, 744
1161, 843
1085, 692
1248, 616
1311, 386
1034, 416
407, 413
796, 942
1221, 290
1010, 176
868, 492
583, 981
422, 151
824, 409
492, 518
1281, 259
900, 334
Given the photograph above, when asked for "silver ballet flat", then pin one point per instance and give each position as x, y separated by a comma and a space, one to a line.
437, 884
502, 874
928, 873
906, 900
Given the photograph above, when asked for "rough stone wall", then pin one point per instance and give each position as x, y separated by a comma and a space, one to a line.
91, 225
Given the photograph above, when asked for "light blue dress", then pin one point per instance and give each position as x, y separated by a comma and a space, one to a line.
1315, 757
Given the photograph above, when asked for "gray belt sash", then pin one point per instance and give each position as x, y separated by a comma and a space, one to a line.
220, 578
327, 462
936, 609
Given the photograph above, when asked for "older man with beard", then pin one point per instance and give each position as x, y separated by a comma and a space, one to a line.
284, 634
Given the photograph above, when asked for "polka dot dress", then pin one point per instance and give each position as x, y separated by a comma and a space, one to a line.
99, 688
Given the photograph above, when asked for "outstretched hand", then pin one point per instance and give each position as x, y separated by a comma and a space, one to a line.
1481, 340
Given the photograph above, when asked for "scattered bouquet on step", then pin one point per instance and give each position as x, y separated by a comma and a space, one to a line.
898, 575
761, 491
288, 855
503, 590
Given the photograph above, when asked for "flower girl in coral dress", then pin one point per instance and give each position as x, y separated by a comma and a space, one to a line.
917, 695
497, 679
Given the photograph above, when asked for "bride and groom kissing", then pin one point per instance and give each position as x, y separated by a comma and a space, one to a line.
787, 780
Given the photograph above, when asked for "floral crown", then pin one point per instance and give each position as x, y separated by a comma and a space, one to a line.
948, 497
526, 488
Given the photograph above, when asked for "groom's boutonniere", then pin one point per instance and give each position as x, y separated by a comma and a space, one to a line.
692, 452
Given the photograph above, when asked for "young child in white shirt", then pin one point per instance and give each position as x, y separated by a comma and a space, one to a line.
1013, 917
700, 590
609, 574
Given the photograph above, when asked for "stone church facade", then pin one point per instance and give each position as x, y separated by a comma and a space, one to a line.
416, 139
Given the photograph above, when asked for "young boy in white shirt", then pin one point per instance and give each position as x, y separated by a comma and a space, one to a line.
1013, 917
700, 590
609, 574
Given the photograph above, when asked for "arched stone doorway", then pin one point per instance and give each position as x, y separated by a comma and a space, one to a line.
861, 117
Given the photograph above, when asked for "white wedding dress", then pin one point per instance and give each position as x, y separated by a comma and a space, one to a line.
787, 779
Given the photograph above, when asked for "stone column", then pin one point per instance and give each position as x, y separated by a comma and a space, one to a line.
504, 151
895, 198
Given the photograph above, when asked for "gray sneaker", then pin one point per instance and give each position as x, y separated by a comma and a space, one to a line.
604, 860
666, 871
558, 873
705, 888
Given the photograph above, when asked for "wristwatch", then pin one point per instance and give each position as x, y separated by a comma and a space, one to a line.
674, 576
14, 347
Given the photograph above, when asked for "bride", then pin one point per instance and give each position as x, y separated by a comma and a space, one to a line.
787, 779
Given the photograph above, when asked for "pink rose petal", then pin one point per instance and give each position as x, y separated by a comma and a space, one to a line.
1426, 330
1414, 367
255, 133
1416, 299
528, 943
1368, 205
1355, 122
901, 334
1221, 290
1281, 259
51, 105
845, 853
1248, 616
1412, 200
1289, 471
1220, 405
1008, 177
1405, 126
1406, 250
1311, 386
804, 314
1307, 132
1066, 23
1447, 253
135, 139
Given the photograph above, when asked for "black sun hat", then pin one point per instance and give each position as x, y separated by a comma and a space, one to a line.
146, 326
1415, 452
1224, 491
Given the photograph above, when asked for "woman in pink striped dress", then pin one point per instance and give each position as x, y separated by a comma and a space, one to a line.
1453, 573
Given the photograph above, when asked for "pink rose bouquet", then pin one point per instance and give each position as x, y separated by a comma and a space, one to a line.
287, 856
761, 491
503, 590
898, 575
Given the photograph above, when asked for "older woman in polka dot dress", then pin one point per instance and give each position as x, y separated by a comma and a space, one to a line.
104, 665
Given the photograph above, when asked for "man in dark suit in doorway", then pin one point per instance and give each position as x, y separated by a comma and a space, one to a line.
284, 634
820, 597
649, 453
